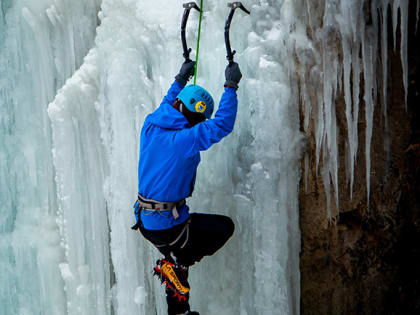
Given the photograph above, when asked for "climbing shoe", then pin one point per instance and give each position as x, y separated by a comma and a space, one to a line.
174, 277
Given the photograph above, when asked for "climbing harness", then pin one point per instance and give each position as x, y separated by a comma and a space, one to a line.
148, 204
153, 205
233, 6
186, 229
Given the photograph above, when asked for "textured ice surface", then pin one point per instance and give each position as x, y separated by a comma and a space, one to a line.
36, 57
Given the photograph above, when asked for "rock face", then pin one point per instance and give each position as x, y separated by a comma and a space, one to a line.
364, 260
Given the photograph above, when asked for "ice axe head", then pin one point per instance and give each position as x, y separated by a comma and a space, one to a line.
238, 5
191, 5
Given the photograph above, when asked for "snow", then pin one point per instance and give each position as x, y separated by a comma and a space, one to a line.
66, 272
140, 295
70, 137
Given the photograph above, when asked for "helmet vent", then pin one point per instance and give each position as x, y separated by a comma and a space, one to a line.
192, 101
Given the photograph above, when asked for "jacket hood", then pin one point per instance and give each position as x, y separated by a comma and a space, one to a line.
168, 117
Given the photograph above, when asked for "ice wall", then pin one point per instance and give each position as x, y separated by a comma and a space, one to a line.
41, 45
251, 176
350, 59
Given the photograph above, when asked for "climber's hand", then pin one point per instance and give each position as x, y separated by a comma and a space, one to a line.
233, 75
186, 72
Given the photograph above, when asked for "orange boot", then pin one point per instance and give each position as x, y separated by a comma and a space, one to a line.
174, 277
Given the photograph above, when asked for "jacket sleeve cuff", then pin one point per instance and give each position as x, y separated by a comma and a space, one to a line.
182, 81
230, 88
231, 85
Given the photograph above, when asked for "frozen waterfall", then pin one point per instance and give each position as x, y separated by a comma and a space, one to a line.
96, 120
73, 96
41, 44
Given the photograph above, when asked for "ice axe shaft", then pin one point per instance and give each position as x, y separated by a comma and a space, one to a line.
187, 8
233, 6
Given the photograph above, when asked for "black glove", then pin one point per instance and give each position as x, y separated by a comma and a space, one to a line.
186, 72
233, 75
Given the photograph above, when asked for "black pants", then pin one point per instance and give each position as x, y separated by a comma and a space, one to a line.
205, 235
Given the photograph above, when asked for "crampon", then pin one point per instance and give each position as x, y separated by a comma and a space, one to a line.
172, 276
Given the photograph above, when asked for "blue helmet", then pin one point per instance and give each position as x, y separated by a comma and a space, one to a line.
197, 100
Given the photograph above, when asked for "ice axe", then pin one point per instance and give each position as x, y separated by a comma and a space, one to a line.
187, 8
233, 6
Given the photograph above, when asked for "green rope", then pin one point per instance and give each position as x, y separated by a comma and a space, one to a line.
198, 42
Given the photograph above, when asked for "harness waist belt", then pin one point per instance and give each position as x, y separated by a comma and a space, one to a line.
150, 204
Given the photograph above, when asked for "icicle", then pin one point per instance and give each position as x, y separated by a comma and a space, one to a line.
332, 75
354, 137
384, 56
319, 131
334, 153
328, 124
403, 45
395, 7
370, 42
375, 42
384, 50
306, 102
347, 98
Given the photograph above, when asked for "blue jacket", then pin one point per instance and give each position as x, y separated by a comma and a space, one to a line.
170, 154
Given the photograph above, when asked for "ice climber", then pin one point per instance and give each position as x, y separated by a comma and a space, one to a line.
170, 143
